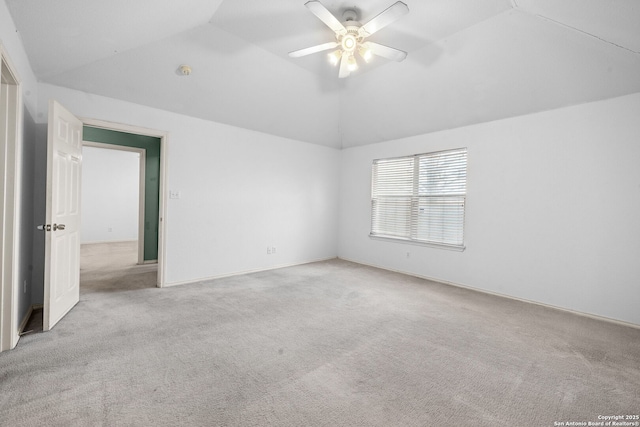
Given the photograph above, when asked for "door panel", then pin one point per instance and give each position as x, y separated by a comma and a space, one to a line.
62, 243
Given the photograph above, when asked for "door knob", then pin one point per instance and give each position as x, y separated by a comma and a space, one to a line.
48, 227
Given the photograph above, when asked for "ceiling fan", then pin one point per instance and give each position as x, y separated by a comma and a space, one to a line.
351, 35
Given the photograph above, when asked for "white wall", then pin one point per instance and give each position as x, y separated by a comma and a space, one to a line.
240, 191
110, 195
553, 208
10, 39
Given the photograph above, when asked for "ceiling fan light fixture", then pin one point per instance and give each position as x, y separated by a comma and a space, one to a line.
351, 63
349, 43
334, 57
366, 54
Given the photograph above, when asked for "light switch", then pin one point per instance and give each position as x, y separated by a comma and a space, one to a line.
173, 194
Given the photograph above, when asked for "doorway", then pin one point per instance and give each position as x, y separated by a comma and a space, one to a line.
151, 146
113, 219
113, 196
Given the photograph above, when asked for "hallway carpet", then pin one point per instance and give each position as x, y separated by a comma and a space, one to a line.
324, 344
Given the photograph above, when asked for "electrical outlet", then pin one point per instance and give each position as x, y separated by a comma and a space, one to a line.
273, 250
174, 194
268, 250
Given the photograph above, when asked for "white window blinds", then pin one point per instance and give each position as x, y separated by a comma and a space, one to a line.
420, 198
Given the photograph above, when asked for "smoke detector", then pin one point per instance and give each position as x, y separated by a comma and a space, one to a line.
185, 70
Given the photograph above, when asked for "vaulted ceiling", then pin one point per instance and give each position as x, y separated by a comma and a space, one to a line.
469, 61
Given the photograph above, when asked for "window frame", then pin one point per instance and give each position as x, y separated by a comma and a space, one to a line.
416, 197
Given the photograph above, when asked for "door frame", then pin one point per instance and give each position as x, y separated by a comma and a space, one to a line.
10, 181
141, 186
163, 136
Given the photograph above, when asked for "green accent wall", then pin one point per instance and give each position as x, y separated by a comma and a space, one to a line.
152, 178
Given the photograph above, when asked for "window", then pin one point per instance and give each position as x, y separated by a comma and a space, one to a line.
420, 198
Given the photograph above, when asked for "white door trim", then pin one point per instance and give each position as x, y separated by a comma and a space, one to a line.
164, 140
10, 182
141, 186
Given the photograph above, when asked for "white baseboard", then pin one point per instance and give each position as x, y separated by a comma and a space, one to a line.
97, 242
484, 291
239, 273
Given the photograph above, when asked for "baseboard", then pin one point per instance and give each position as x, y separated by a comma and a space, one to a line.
497, 294
240, 273
98, 242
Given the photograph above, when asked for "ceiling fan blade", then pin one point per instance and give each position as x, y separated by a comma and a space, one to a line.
383, 19
344, 67
385, 51
325, 16
313, 49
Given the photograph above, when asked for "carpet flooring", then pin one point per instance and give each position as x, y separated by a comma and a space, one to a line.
324, 344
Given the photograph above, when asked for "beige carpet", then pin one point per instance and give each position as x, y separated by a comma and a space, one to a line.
323, 344
113, 267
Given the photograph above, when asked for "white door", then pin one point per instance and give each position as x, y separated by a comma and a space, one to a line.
62, 242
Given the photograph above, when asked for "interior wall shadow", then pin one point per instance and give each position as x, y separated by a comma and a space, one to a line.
39, 212
27, 225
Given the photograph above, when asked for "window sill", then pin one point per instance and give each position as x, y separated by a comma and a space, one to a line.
419, 243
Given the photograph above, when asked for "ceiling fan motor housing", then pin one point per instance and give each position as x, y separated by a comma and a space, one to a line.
349, 15
352, 39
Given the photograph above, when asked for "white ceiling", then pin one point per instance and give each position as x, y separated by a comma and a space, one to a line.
469, 61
